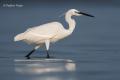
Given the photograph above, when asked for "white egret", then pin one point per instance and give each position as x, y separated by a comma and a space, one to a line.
50, 32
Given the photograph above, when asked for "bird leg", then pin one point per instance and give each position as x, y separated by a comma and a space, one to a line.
28, 55
48, 56
47, 44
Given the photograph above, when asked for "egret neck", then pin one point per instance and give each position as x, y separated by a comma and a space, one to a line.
71, 22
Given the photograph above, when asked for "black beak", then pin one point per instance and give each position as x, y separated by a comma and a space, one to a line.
85, 14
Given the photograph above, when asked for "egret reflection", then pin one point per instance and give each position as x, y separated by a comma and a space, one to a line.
44, 66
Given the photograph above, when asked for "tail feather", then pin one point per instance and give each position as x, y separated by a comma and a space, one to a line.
19, 37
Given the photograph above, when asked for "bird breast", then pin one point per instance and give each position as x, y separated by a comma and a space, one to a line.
60, 35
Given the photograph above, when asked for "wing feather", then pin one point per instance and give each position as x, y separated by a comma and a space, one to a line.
42, 32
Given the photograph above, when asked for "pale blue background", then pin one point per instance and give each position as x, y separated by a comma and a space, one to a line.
94, 46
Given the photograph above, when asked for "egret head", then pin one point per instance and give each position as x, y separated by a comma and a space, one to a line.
75, 12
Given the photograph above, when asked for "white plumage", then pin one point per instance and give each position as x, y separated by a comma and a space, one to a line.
50, 32
37, 35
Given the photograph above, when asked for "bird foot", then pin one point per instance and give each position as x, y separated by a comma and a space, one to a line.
47, 56
27, 57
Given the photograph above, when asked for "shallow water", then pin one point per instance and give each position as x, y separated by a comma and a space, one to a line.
92, 52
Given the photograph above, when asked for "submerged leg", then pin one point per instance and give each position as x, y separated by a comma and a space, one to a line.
28, 55
47, 44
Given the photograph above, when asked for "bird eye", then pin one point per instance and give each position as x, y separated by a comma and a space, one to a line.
76, 12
